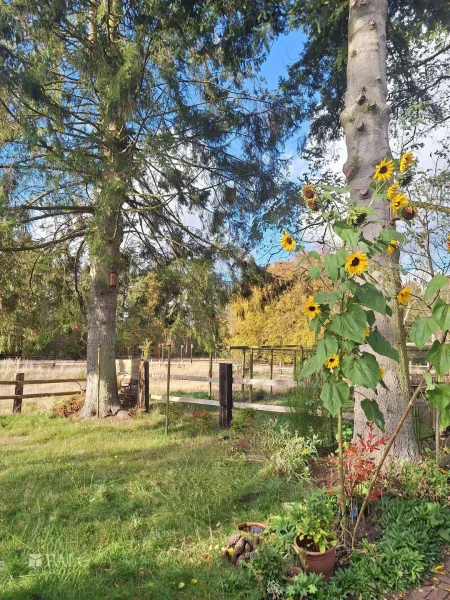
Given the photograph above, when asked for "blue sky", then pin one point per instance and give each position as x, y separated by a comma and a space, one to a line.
283, 52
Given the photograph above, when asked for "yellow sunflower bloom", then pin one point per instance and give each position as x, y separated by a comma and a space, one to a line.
332, 362
399, 202
287, 242
311, 309
404, 295
367, 332
406, 160
384, 171
356, 263
393, 190
382, 372
393, 245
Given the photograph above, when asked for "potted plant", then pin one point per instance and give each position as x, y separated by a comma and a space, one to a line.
315, 541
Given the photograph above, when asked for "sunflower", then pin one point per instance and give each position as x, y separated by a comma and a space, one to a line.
448, 243
287, 242
311, 308
399, 202
332, 362
404, 295
356, 263
367, 332
309, 193
393, 245
406, 160
384, 171
382, 372
393, 190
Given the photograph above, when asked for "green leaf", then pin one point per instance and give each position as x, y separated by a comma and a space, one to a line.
422, 330
315, 272
391, 234
332, 266
441, 312
309, 367
322, 298
325, 348
373, 413
440, 396
346, 233
429, 380
434, 286
334, 297
439, 357
363, 370
334, 395
369, 296
381, 346
350, 324
314, 254
349, 285
370, 317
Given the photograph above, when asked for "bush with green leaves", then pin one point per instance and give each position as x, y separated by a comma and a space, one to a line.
315, 520
425, 481
267, 566
286, 452
413, 534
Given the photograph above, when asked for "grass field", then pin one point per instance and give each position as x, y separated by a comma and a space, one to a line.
119, 510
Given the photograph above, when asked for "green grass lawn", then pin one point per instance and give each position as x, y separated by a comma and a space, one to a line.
119, 510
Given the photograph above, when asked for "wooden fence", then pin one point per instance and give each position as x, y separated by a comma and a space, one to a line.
19, 382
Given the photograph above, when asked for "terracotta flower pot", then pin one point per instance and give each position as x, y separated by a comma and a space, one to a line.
251, 527
321, 563
292, 572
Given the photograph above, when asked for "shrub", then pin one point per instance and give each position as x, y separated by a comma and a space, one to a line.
286, 453
426, 481
243, 420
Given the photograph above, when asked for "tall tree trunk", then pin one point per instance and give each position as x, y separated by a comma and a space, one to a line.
365, 119
101, 318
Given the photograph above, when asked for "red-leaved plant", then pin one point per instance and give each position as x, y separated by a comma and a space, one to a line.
359, 464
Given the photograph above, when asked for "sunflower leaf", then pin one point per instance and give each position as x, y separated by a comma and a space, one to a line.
350, 324
334, 395
373, 413
422, 329
310, 367
434, 286
441, 313
381, 346
326, 347
439, 357
364, 370
369, 296
391, 234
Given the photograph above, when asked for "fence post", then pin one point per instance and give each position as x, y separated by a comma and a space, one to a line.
225, 394
251, 374
141, 393
147, 386
168, 388
210, 372
243, 374
18, 391
271, 370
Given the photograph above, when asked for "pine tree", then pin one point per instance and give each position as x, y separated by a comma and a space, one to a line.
120, 119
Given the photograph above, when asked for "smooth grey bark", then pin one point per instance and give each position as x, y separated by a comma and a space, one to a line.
365, 119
